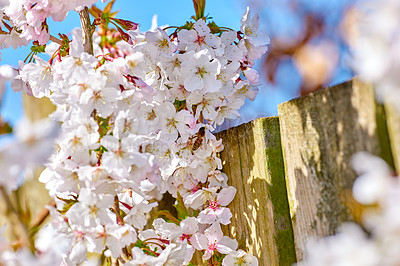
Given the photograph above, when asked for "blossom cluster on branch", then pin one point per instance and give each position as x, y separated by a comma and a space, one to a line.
136, 119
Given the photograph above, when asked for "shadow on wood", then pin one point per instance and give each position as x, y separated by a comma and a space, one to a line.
320, 132
253, 162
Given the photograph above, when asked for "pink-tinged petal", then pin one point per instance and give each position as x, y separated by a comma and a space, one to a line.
194, 200
252, 93
199, 241
252, 76
106, 201
207, 255
229, 260
85, 195
228, 37
214, 233
225, 216
206, 217
227, 245
187, 36
193, 83
190, 225
114, 245
226, 195
195, 98
153, 36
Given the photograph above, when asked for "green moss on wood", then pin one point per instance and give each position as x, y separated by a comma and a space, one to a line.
277, 190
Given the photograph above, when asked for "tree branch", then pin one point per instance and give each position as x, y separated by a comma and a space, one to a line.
56, 40
42, 215
87, 30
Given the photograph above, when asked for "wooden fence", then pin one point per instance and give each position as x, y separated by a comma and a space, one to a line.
293, 172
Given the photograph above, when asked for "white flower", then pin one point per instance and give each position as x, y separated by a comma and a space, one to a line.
39, 76
213, 239
215, 210
348, 248
92, 209
206, 104
199, 37
375, 179
229, 111
239, 258
250, 28
160, 39
201, 72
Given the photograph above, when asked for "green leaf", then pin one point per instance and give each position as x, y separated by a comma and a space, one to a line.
180, 208
179, 105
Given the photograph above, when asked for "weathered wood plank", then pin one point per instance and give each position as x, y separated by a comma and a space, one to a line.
393, 123
36, 109
253, 162
320, 132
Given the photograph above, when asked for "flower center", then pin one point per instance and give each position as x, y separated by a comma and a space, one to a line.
163, 43
184, 236
151, 115
200, 40
249, 31
214, 205
201, 71
241, 261
244, 89
212, 246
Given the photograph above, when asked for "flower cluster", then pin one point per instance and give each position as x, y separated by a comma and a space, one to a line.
378, 241
136, 121
28, 18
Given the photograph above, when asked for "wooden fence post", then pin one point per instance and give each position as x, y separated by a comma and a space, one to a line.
393, 123
320, 132
253, 162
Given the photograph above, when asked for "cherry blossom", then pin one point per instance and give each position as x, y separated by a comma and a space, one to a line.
136, 121
214, 240
215, 210
201, 72
239, 258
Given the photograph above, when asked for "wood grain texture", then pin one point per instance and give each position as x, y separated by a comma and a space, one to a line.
320, 132
393, 123
87, 30
253, 162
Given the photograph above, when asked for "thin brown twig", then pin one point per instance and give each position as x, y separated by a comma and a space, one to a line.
87, 30
116, 210
56, 40
42, 215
